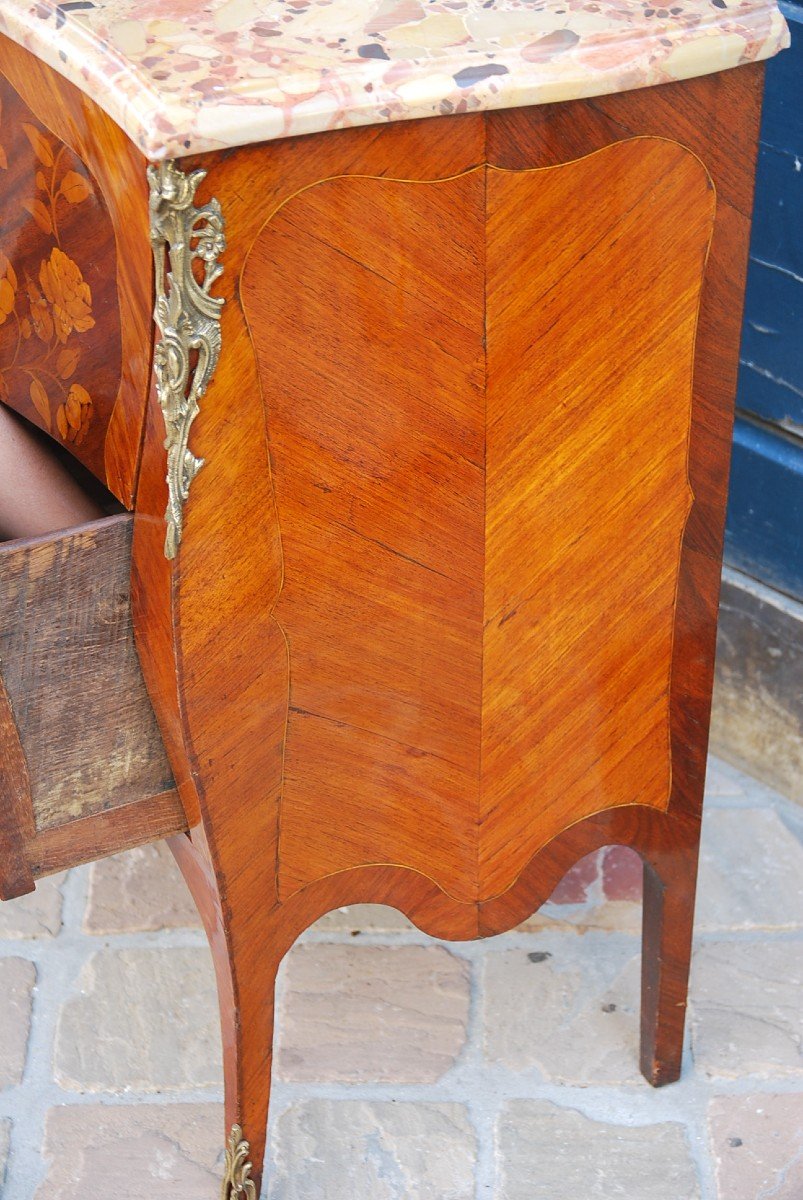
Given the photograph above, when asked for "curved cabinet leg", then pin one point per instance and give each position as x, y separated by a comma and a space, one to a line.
668, 922
246, 961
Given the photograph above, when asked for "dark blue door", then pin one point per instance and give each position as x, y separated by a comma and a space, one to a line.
765, 515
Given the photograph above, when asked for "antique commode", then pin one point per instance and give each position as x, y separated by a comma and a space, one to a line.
444, 407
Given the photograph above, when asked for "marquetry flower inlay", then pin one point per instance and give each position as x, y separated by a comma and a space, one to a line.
52, 307
69, 296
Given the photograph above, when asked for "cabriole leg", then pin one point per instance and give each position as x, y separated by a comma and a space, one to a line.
245, 967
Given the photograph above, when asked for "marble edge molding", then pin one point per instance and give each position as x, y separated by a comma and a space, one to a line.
169, 116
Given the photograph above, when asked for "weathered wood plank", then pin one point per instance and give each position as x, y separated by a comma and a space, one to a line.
72, 675
16, 810
101, 834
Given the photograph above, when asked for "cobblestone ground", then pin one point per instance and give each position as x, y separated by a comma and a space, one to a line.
408, 1069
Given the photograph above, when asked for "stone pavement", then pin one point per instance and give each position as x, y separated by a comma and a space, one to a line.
408, 1069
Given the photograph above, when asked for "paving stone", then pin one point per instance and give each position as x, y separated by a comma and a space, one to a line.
757, 1142
363, 918
567, 1009
17, 980
5, 1140
721, 779
607, 916
745, 1008
138, 891
355, 1013
37, 915
622, 873
550, 1153
751, 872
330, 1149
145, 1019
576, 883
164, 1152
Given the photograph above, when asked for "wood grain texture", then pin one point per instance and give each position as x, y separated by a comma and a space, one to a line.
86, 839
214, 707
481, 503
60, 341
216, 662
374, 384
70, 669
16, 807
591, 328
73, 163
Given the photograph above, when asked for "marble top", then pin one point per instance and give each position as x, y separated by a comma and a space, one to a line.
185, 76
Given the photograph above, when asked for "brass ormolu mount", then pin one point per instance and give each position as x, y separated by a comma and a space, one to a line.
237, 1182
188, 319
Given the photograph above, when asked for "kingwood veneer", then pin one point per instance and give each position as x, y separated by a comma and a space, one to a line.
437, 615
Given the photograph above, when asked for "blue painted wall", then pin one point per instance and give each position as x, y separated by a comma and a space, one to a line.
764, 535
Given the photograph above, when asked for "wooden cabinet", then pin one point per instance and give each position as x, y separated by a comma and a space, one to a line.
466, 470
448, 446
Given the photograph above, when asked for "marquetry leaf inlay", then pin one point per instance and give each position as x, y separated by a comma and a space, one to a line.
59, 347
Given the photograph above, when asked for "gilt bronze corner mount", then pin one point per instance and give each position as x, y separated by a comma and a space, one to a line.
188, 319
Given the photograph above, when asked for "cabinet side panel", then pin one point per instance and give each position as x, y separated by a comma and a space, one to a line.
417, 477
594, 277
374, 389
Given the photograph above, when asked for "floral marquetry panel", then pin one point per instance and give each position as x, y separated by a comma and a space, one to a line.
60, 341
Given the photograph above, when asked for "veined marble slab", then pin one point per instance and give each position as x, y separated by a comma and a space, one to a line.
185, 76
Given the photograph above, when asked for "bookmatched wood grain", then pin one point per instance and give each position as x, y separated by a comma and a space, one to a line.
256, 520
443, 620
481, 504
